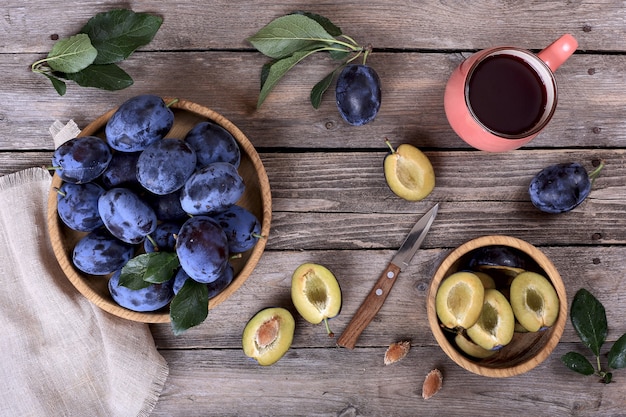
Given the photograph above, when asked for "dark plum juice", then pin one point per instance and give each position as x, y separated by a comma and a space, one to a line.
506, 95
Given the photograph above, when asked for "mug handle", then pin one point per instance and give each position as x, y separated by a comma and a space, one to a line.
558, 51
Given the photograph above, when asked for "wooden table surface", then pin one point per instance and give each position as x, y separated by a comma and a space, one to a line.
331, 204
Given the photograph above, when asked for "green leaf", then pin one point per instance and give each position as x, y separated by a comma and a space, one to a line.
265, 72
190, 306
288, 34
577, 363
116, 34
617, 354
59, 85
328, 26
72, 54
320, 88
148, 268
589, 320
277, 70
105, 77
161, 267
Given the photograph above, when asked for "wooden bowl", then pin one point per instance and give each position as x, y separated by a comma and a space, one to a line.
256, 198
526, 350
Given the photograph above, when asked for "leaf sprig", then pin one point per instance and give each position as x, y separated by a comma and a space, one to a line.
588, 317
189, 307
90, 57
289, 39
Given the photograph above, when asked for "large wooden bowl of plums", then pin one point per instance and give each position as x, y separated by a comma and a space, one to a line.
159, 202
497, 306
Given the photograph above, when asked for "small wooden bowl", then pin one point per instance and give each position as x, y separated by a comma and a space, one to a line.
257, 198
526, 350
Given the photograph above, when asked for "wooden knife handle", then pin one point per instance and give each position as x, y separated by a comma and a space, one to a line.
370, 306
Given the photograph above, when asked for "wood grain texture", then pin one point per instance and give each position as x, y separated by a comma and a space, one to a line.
330, 202
412, 109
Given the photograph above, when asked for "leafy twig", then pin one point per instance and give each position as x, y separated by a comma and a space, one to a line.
289, 39
89, 58
588, 317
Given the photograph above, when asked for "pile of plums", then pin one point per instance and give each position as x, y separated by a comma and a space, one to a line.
137, 191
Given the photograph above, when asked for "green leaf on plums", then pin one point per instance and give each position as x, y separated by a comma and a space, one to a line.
149, 268
72, 55
578, 363
617, 354
116, 34
291, 38
190, 306
105, 77
589, 320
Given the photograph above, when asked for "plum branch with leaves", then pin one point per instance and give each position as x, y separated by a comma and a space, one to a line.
289, 39
588, 317
90, 57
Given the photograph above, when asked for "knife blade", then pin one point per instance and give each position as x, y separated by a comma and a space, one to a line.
378, 294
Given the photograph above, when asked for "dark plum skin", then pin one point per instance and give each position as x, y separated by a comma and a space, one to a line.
214, 287
138, 122
167, 207
150, 298
122, 171
559, 188
358, 94
99, 253
126, 216
213, 143
82, 159
164, 236
77, 205
497, 256
202, 249
241, 226
165, 165
212, 189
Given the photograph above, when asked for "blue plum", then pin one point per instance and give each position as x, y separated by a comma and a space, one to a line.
126, 216
241, 226
165, 165
358, 94
213, 143
164, 236
212, 189
82, 159
77, 205
202, 249
561, 187
138, 122
100, 253
122, 171
214, 287
150, 298
167, 207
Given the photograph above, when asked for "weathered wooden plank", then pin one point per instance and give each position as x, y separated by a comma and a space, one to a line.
324, 200
412, 109
338, 382
393, 24
403, 316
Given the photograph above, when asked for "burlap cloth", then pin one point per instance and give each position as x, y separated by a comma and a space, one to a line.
60, 355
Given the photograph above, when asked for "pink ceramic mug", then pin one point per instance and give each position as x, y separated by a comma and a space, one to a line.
501, 98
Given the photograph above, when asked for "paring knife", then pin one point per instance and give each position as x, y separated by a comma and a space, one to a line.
377, 296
